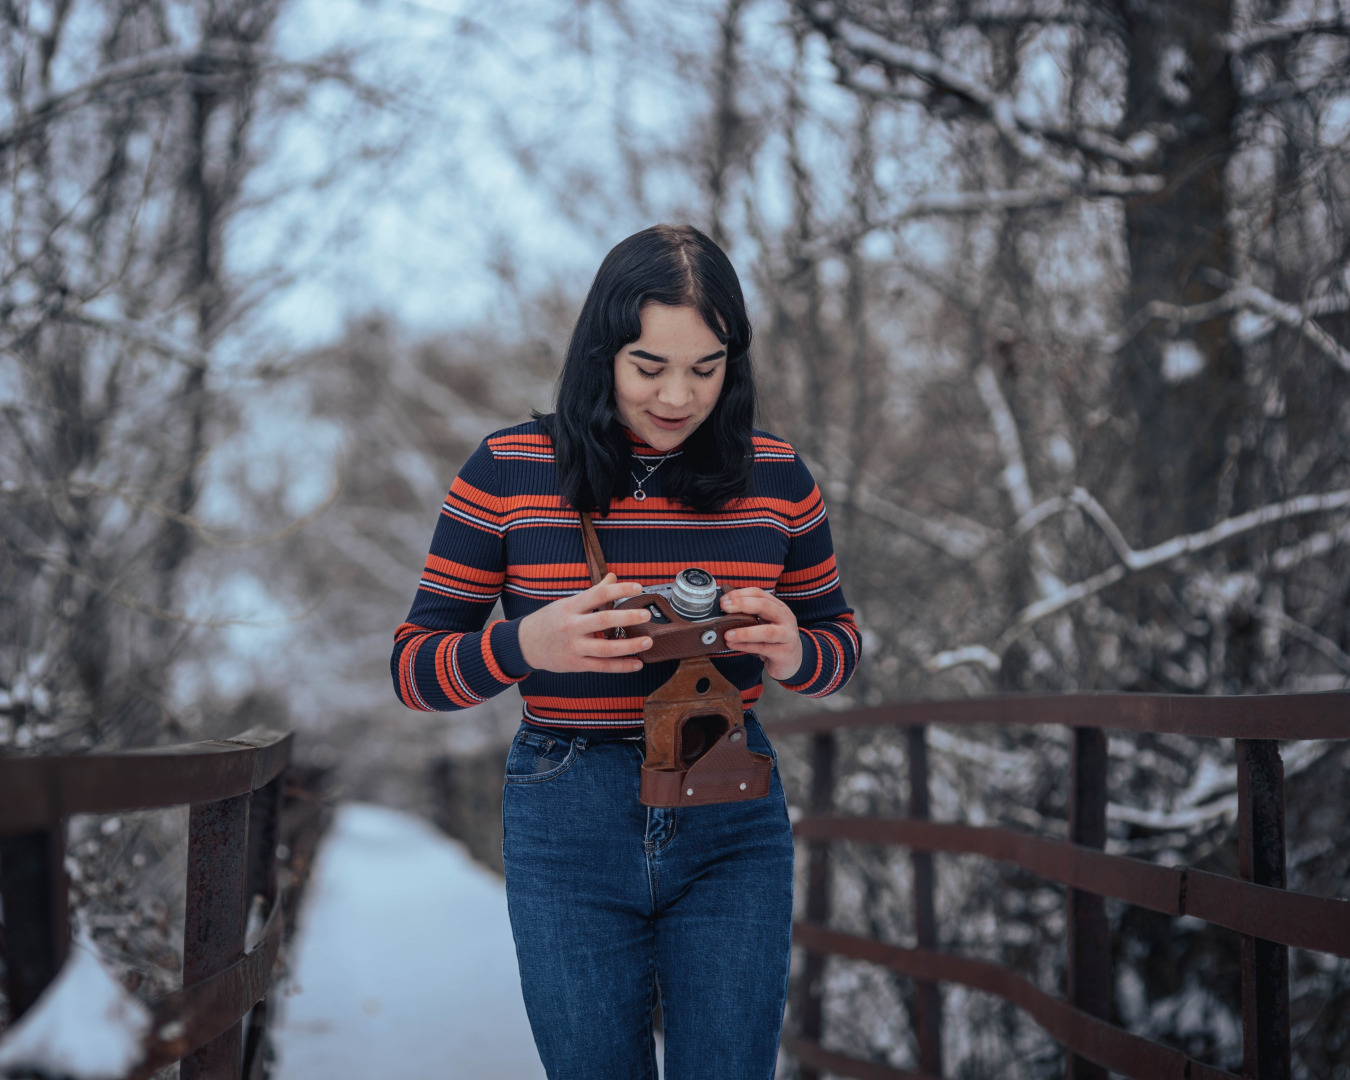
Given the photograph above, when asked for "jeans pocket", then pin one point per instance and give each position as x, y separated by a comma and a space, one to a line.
756, 739
536, 757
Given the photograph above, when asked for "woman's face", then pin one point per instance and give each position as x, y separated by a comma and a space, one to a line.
668, 380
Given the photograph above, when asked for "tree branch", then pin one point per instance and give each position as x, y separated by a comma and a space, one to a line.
186, 62
964, 544
1237, 297
1133, 562
1031, 140
1255, 35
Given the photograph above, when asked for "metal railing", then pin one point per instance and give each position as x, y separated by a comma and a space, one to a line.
234, 789
1269, 918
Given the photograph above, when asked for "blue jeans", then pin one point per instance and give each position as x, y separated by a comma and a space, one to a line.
610, 898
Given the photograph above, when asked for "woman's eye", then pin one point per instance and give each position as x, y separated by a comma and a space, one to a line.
648, 374
705, 374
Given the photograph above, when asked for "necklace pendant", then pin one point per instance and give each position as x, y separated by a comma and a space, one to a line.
639, 495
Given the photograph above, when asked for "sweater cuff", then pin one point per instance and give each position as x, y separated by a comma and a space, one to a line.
810, 668
504, 641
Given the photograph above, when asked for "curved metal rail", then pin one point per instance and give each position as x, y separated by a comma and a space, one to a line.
1257, 906
233, 788
1289, 918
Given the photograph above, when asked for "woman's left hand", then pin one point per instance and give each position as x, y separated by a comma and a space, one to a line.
775, 639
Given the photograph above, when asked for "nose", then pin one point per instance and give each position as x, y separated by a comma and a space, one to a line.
676, 393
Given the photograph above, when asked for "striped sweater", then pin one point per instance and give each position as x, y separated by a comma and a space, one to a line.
505, 532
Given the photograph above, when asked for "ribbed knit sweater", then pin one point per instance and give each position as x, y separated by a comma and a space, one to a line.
506, 532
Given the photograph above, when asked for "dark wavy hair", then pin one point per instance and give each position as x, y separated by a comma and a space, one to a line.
666, 264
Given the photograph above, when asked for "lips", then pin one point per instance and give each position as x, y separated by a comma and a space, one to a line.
669, 425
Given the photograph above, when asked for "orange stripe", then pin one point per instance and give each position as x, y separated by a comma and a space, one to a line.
494, 668
473, 496
573, 703
405, 663
815, 674
520, 440
463, 571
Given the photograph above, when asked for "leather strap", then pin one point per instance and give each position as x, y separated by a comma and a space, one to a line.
595, 558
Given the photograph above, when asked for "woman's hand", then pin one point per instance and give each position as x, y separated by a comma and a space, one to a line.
564, 635
775, 639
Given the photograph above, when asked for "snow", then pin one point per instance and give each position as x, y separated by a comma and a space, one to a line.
1181, 360
85, 1026
403, 964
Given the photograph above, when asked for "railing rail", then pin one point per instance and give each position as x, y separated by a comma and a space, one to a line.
234, 790
1268, 917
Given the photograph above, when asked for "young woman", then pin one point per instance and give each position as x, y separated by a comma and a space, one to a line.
610, 899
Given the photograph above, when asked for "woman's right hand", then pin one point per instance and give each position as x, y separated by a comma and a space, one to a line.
565, 635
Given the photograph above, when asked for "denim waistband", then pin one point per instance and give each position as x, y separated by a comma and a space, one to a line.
595, 735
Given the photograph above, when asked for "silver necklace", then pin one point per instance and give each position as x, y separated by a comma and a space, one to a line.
638, 494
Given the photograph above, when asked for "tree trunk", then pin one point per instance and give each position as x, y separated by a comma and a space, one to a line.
1180, 84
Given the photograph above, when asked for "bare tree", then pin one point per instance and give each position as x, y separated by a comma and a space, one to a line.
128, 132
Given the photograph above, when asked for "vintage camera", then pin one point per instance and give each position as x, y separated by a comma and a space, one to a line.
696, 740
687, 618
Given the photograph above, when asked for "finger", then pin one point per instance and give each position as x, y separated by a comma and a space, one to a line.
597, 596
604, 620
765, 606
599, 647
622, 666
764, 634
740, 594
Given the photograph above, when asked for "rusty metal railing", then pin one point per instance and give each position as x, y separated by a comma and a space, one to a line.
234, 789
1269, 918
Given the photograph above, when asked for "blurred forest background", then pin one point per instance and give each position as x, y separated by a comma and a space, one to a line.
1052, 295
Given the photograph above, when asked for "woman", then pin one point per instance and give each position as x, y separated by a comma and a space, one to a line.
610, 899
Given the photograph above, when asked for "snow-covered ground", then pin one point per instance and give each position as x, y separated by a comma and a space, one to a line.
403, 966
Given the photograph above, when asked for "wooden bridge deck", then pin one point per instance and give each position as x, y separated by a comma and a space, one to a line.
403, 963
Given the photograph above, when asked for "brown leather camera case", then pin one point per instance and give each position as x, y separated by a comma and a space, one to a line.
696, 742
694, 726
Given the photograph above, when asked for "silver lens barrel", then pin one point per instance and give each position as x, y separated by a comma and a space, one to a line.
694, 593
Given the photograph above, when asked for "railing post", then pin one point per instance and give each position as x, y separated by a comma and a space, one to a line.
37, 926
927, 997
1089, 934
812, 987
213, 936
264, 832
1265, 965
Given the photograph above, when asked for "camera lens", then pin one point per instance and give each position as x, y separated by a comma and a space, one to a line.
694, 593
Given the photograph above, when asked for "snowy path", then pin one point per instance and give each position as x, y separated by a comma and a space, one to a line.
404, 962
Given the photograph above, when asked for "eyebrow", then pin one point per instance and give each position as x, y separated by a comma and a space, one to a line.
662, 360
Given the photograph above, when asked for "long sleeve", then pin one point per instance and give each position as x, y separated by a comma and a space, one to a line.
444, 658
809, 585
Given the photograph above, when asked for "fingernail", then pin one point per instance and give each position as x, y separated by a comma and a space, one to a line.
637, 665
646, 643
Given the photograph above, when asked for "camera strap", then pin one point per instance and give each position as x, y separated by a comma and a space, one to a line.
595, 558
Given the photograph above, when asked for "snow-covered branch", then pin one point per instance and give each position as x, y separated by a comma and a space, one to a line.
955, 203
854, 43
1310, 547
1084, 501
1236, 298
1257, 34
1015, 477
1014, 473
963, 542
1133, 562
